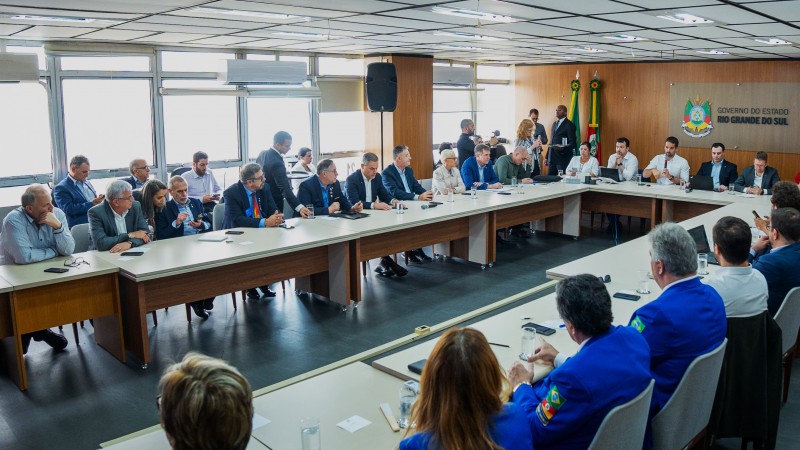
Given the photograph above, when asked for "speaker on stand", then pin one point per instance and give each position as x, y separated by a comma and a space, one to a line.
381, 87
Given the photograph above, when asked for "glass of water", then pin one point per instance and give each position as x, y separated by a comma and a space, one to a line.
644, 283
528, 343
639, 180
731, 189
473, 192
309, 433
450, 195
702, 264
513, 181
400, 208
407, 399
683, 185
311, 209
561, 173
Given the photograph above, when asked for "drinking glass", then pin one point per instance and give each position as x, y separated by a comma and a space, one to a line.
513, 181
473, 192
399, 208
683, 185
528, 343
407, 399
309, 433
311, 209
702, 264
639, 180
450, 195
732, 189
644, 283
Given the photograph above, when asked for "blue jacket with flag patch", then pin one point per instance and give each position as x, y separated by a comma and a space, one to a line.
565, 408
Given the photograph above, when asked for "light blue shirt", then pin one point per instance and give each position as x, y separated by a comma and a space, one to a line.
187, 229
25, 242
480, 172
405, 182
86, 188
715, 170
249, 212
325, 198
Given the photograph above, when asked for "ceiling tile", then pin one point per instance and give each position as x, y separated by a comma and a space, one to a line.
583, 6
358, 6
46, 32
277, 9
531, 29
668, 4
221, 40
707, 32
173, 28
115, 35
7, 29
588, 25
121, 6
395, 22
789, 11
172, 38
191, 19
508, 9
765, 29
728, 14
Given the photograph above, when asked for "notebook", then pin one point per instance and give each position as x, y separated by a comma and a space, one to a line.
701, 242
701, 183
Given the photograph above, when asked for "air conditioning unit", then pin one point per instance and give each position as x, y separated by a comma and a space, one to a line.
249, 72
16, 67
455, 76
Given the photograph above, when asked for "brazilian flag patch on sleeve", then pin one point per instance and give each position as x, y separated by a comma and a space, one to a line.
550, 405
637, 324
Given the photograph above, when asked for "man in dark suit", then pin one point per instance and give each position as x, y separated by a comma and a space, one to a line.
465, 144
117, 224
183, 216
248, 204
722, 171
75, 195
779, 266
365, 186
323, 191
758, 178
140, 173
399, 180
272, 163
560, 154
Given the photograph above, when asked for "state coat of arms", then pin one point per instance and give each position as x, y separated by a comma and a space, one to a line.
697, 118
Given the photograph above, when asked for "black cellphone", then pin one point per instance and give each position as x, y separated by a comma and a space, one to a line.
540, 329
129, 253
504, 193
756, 214
234, 232
416, 367
623, 296
56, 270
434, 203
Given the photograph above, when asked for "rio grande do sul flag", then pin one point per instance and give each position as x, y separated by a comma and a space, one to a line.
594, 117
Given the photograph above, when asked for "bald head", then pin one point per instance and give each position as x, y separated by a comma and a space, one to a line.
519, 154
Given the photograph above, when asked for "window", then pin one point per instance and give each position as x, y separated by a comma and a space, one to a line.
106, 63
341, 66
450, 106
260, 57
341, 132
494, 72
201, 122
267, 116
496, 110
193, 61
108, 121
25, 129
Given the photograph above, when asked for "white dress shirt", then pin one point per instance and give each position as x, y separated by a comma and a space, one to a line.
743, 290
119, 221
584, 169
629, 168
199, 186
678, 167
367, 189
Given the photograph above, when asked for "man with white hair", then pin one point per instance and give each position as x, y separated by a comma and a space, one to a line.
688, 318
117, 224
36, 231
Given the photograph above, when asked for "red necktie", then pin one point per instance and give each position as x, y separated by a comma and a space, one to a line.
256, 211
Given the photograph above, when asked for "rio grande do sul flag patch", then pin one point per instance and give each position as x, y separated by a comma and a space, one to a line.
550, 405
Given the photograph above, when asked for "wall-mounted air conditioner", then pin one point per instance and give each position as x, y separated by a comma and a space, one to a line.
250, 72
454, 76
16, 67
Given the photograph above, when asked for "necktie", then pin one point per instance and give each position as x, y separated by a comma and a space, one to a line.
256, 211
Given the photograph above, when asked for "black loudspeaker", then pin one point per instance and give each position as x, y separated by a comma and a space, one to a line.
381, 87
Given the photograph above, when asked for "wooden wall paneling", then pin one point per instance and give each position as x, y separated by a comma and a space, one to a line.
634, 101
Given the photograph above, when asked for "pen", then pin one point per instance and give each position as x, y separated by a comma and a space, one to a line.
499, 345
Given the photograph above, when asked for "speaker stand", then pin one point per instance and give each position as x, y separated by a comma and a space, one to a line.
382, 166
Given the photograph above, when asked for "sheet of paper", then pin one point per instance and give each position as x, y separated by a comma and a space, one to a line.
747, 195
259, 421
353, 424
328, 217
502, 189
246, 243
126, 258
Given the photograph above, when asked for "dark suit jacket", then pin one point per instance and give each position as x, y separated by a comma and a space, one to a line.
469, 173
132, 181
275, 174
727, 174
237, 207
310, 193
164, 219
565, 154
394, 184
69, 198
357, 189
780, 270
103, 230
465, 147
748, 175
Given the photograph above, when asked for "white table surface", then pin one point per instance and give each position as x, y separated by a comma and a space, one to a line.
32, 275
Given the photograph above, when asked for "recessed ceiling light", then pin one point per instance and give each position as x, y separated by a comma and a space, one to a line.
712, 52
476, 37
588, 50
473, 14
63, 19
625, 37
683, 18
297, 34
246, 13
773, 41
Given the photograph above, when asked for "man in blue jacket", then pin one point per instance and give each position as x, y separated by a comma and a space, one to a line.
780, 265
183, 216
612, 367
75, 195
477, 170
688, 318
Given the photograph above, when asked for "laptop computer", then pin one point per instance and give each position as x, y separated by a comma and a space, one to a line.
612, 174
701, 183
701, 242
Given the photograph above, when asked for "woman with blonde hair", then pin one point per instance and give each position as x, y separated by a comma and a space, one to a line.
534, 146
462, 400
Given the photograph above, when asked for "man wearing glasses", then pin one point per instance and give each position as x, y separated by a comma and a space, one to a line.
140, 173
248, 204
324, 192
117, 224
36, 231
